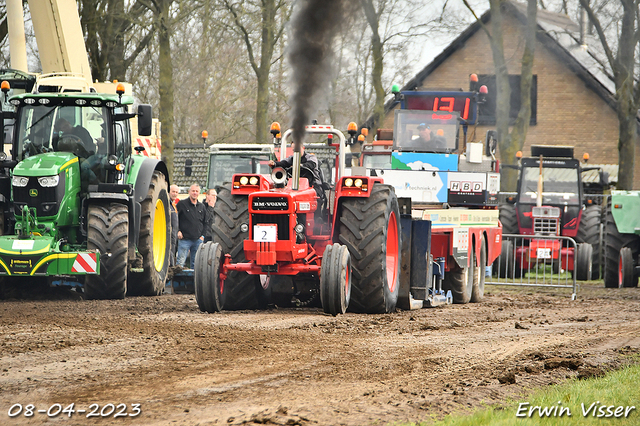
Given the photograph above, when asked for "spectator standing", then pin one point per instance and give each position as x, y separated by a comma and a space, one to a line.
191, 219
209, 203
173, 195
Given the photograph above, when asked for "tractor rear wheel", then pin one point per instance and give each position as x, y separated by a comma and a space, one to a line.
370, 228
335, 279
108, 232
230, 212
460, 280
614, 242
154, 241
508, 218
477, 292
583, 258
209, 288
589, 232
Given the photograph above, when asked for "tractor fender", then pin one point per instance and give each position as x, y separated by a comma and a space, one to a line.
141, 174
140, 177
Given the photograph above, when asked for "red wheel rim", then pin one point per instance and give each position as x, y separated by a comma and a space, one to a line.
392, 252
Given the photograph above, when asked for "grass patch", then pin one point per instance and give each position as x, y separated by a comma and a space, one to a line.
616, 389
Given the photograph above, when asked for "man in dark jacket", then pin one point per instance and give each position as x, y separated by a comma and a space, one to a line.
175, 224
192, 216
209, 203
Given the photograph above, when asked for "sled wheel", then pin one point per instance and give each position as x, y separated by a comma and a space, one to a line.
626, 269
335, 279
477, 292
460, 280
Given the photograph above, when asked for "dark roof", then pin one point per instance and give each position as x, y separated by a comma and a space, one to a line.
556, 32
200, 161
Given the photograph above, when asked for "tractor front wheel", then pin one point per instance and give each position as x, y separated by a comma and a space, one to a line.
614, 242
108, 232
460, 281
583, 265
209, 288
154, 241
370, 228
335, 279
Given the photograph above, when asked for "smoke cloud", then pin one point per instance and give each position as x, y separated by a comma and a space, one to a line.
313, 25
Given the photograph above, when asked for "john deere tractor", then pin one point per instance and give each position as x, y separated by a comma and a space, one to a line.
80, 209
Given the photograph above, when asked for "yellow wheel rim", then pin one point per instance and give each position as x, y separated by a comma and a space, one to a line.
159, 235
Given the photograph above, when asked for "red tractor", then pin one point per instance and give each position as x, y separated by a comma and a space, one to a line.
275, 239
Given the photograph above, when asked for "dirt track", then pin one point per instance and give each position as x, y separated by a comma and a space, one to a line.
301, 366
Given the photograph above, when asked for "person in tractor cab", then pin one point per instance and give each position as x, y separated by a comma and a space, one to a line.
64, 128
427, 141
307, 161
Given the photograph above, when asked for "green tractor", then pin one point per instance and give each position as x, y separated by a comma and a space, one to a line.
622, 239
79, 209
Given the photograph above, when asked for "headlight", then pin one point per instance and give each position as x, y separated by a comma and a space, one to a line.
299, 228
49, 181
20, 181
348, 182
244, 180
358, 183
253, 180
244, 227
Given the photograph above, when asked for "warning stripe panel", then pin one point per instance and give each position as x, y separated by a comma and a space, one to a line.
85, 263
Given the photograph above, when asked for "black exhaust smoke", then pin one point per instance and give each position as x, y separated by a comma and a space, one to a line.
313, 25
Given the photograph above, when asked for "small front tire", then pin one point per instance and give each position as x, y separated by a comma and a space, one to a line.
209, 288
335, 279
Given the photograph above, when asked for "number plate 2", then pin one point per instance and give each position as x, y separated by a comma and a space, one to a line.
265, 233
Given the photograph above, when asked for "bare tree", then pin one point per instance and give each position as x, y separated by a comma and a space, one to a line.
509, 144
620, 44
262, 37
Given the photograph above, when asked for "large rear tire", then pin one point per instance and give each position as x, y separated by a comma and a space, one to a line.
154, 243
370, 228
335, 279
243, 291
613, 243
477, 292
209, 288
589, 232
108, 232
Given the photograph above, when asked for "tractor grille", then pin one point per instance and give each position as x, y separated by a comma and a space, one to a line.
47, 200
281, 220
545, 226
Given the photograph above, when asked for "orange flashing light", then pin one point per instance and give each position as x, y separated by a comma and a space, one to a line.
5, 86
205, 134
473, 78
519, 154
361, 138
484, 90
120, 88
585, 157
275, 128
440, 132
364, 131
352, 128
120, 167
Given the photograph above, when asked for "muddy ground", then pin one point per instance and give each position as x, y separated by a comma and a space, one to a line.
300, 366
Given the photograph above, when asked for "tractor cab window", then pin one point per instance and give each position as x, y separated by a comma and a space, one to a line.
425, 131
223, 166
377, 161
75, 129
559, 185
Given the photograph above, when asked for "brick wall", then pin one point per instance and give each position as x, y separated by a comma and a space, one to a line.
569, 112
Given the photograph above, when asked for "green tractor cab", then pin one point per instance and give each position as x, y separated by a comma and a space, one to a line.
79, 208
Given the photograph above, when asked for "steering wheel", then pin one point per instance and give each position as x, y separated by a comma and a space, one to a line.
73, 143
